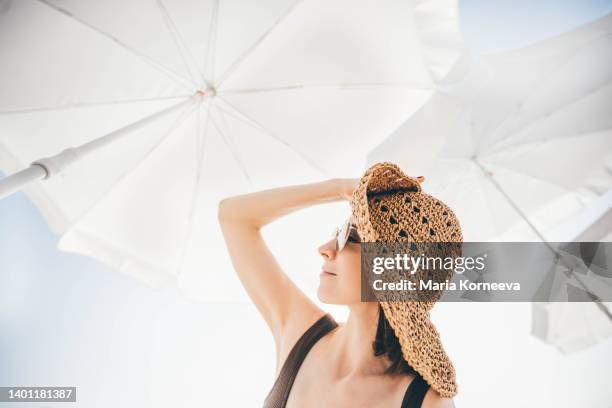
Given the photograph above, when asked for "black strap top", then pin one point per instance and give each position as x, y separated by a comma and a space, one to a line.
278, 395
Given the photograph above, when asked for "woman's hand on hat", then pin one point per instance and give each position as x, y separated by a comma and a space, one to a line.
346, 186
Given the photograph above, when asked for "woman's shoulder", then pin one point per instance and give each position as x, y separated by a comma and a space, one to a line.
296, 328
434, 400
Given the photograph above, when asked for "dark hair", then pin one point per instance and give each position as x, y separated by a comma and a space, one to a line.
387, 343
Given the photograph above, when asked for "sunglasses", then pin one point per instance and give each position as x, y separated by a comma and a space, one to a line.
347, 232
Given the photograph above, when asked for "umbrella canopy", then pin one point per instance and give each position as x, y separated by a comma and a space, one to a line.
520, 141
172, 105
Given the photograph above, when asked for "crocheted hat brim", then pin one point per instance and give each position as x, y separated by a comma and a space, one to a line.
420, 341
421, 345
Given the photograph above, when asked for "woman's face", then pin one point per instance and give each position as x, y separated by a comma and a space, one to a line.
340, 281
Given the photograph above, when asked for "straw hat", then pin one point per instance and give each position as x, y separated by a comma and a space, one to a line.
390, 206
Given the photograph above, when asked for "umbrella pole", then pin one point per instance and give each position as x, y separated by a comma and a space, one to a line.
558, 257
48, 167
17, 181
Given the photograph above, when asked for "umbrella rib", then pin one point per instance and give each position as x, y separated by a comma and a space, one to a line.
202, 140
249, 50
488, 176
479, 189
345, 87
196, 188
178, 39
533, 90
501, 145
151, 150
209, 56
90, 104
167, 71
250, 121
229, 144
536, 176
231, 148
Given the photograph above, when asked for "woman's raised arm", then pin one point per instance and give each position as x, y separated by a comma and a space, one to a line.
285, 308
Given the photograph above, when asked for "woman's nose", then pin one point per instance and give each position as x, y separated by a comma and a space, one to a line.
328, 249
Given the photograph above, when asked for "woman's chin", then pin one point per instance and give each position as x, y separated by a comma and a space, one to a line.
323, 296
328, 298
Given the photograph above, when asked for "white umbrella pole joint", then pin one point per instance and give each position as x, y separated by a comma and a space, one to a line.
48, 167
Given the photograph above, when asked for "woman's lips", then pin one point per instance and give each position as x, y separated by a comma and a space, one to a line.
326, 273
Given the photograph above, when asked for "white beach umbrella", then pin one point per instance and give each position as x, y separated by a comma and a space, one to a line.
519, 144
520, 141
161, 108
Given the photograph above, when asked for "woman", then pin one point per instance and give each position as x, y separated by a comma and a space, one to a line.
384, 355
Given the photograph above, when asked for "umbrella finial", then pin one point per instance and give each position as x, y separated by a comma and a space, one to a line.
201, 93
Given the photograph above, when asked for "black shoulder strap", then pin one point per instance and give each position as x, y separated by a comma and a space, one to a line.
280, 391
415, 393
